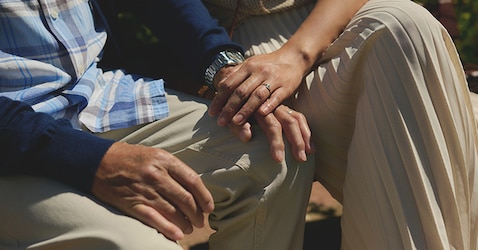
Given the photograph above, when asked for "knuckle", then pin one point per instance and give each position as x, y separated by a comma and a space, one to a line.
249, 63
265, 70
169, 209
261, 93
228, 109
274, 124
241, 93
247, 110
149, 215
301, 116
185, 198
223, 85
194, 179
151, 174
291, 121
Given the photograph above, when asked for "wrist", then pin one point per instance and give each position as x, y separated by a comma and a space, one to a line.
222, 59
303, 59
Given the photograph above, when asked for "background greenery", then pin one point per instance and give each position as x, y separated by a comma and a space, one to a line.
467, 18
467, 45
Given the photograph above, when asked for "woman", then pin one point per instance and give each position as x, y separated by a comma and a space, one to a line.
384, 93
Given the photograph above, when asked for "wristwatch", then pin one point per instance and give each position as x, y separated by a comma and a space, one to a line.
225, 57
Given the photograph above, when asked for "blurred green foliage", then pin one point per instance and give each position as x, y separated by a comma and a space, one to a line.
467, 19
142, 34
467, 44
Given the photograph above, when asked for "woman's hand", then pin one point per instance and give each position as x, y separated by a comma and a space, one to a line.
261, 83
264, 81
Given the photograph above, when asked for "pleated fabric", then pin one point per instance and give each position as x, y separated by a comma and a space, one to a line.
392, 123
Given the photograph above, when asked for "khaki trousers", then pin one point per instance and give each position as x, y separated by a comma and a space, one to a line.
259, 204
393, 126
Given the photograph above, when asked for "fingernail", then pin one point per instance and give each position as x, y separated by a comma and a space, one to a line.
279, 155
178, 235
303, 155
221, 121
238, 119
209, 207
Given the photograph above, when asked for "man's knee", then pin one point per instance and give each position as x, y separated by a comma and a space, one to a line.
46, 213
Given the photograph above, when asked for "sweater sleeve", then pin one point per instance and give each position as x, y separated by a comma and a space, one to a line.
187, 28
38, 145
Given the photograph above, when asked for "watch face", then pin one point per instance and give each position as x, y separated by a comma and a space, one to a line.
229, 53
236, 57
223, 59
228, 58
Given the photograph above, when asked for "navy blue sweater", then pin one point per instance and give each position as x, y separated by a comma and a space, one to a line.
36, 144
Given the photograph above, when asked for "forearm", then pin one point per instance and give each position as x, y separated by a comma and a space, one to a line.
323, 25
36, 144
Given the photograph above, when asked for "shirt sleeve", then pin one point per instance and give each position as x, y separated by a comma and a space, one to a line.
36, 144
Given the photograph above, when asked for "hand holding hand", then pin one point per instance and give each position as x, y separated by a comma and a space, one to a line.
261, 83
154, 187
283, 120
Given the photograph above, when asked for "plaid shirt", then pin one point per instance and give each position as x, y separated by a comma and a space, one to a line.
48, 55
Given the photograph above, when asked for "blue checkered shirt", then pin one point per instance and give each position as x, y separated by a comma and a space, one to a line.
48, 55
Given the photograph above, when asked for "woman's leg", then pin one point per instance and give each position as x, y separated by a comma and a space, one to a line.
399, 94
393, 126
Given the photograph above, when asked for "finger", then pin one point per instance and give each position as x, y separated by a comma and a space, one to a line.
158, 199
239, 97
227, 79
244, 131
230, 108
192, 191
276, 98
219, 101
305, 130
273, 130
174, 189
258, 97
153, 218
184, 208
292, 131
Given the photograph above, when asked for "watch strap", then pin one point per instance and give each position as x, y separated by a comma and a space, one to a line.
223, 58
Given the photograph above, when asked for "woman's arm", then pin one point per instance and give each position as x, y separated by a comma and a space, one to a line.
324, 24
240, 92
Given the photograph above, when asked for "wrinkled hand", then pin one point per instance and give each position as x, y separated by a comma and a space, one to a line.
154, 187
241, 89
283, 120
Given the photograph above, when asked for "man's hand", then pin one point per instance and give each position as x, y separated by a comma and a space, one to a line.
283, 120
154, 187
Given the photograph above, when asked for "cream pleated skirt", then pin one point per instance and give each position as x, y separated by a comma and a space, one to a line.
392, 123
